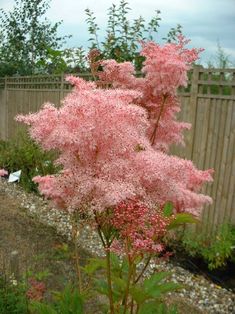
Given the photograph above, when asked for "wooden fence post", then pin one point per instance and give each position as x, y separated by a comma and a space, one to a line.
3, 112
61, 87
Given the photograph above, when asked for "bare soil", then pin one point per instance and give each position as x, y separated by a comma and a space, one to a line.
39, 248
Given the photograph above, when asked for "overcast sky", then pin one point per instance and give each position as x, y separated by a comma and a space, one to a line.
205, 22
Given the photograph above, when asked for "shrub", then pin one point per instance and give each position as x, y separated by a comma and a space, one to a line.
12, 298
22, 153
216, 249
67, 301
113, 145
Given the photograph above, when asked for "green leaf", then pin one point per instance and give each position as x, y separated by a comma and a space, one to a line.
70, 301
163, 289
94, 264
168, 209
138, 294
181, 219
154, 287
152, 307
115, 262
42, 308
43, 275
101, 286
173, 310
155, 279
119, 283
124, 267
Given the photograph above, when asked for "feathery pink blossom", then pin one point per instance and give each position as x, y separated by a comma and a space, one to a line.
164, 71
112, 145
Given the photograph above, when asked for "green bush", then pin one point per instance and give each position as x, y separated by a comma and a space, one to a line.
67, 301
21, 153
12, 298
215, 249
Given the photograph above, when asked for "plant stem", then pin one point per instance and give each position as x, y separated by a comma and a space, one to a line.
143, 270
109, 280
132, 305
137, 309
74, 237
133, 276
153, 136
99, 230
128, 286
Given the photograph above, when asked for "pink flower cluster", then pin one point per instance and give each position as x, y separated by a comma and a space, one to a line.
140, 227
3, 173
36, 290
164, 71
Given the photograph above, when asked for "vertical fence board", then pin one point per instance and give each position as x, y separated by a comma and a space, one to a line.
220, 162
3, 115
228, 158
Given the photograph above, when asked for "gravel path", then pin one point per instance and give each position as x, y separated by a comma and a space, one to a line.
205, 296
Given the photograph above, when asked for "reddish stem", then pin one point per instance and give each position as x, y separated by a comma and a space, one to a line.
153, 136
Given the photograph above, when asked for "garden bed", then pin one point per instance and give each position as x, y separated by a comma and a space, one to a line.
223, 276
30, 214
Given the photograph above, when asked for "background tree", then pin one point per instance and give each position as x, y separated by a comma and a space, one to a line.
122, 39
68, 60
221, 59
27, 38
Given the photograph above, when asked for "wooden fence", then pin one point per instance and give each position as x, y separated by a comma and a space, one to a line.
208, 103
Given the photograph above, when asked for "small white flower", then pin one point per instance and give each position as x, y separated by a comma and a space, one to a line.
14, 282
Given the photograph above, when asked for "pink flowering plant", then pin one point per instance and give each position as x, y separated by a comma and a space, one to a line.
3, 172
113, 136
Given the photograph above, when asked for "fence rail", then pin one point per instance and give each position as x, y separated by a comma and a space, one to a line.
208, 103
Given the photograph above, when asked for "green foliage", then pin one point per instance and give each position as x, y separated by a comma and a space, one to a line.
29, 43
173, 33
122, 40
168, 209
39, 276
181, 219
69, 301
216, 249
61, 252
93, 265
12, 298
156, 308
221, 60
21, 153
148, 295
27, 38
215, 88
69, 60
153, 288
